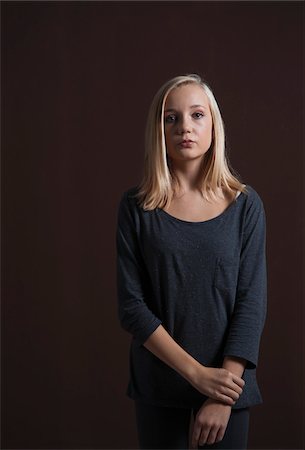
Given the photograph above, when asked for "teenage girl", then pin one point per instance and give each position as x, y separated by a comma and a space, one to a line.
191, 278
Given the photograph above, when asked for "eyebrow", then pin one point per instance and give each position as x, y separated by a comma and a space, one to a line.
193, 106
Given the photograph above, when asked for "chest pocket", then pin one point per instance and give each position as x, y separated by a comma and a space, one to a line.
226, 274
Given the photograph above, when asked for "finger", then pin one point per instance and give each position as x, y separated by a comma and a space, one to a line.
212, 435
220, 434
238, 390
231, 381
222, 398
239, 381
230, 393
196, 434
230, 384
235, 387
204, 435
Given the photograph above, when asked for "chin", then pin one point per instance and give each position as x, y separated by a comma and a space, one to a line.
189, 158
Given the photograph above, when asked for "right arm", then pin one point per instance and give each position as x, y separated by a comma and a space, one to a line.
219, 384
147, 329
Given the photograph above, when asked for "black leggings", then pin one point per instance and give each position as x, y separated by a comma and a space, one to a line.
169, 428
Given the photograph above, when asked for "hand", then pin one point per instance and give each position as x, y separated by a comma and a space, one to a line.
218, 384
210, 423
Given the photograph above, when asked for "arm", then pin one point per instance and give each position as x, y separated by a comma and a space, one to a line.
235, 365
146, 328
219, 384
212, 418
249, 313
242, 345
134, 314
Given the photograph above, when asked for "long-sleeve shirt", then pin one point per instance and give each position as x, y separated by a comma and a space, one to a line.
205, 282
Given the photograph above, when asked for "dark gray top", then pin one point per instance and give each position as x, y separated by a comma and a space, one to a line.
204, 281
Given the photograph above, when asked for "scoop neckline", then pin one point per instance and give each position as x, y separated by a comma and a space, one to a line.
229, 207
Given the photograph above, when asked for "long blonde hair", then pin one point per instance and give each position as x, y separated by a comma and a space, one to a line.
158, 183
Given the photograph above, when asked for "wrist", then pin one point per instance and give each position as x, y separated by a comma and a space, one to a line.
194, 373
219, 404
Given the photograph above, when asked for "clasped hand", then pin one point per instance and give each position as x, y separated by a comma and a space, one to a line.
210, 423
219, 384
223, 389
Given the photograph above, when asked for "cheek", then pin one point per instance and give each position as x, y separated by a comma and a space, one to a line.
206, 131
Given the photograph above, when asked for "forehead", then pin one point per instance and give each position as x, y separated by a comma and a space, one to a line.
186, 95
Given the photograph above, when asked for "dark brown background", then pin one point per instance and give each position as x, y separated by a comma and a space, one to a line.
77, 80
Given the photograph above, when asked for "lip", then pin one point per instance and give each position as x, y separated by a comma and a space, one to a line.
186, 143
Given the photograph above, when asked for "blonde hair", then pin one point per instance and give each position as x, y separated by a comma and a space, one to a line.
159, 183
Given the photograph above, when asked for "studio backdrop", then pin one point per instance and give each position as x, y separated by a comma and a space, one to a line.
77, 80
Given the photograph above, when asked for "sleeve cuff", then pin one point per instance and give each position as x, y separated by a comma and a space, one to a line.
250, 359
144, 335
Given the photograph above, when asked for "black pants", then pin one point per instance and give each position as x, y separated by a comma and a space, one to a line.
169, 428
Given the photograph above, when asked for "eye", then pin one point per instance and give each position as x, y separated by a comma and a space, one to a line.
170, 118
198, 115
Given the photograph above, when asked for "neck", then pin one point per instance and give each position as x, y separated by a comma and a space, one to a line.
187, 174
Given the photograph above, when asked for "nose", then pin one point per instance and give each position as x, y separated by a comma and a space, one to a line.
184, 125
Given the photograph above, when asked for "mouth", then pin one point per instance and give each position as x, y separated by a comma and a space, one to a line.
186, 143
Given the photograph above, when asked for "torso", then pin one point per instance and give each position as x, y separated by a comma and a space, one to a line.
194, 208
189, 283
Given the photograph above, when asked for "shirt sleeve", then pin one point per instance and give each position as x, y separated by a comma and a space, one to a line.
249, 313
134, 315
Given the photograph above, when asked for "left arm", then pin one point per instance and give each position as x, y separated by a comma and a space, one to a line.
247, 322
212, 418
248, 318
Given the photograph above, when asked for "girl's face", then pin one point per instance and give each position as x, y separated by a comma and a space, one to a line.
187, 123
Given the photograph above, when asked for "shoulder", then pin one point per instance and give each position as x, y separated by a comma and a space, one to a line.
131, 192
127, 205
129, 195
254, 211
252, 197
